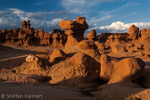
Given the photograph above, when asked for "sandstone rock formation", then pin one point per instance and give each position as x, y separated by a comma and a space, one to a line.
109, 41
92, 35
56, 42
27, 36
145, 33
133, 32
74, 30
140, 46
103, 37
35, 64
99, 45
125, 70
57, 55
90, 48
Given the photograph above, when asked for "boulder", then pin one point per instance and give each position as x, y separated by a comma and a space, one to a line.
145, 33
127, 69
57, 55
90, 48
30, 58
86, 44
133, 32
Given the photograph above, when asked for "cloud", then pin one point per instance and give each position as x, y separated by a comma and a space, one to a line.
128, 15
117, 27
20, 13
94, 20
113, 0
39, 3
37, 15
58, 12
79, 6
13, 17
83, 6
128, 5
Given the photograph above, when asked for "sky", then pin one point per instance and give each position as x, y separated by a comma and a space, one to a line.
102, 15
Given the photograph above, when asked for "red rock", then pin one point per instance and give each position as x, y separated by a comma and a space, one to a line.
133, 32
57, 55
125, 70
24, 24
28, 24
55, 40
145, 33
74, 30
41, 33
90, 48
100, 45
92, 35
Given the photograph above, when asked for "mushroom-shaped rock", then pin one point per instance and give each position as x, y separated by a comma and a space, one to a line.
57, 54
92, 35
74, 30
133, 32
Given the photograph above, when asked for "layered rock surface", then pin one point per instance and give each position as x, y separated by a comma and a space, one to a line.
74, 30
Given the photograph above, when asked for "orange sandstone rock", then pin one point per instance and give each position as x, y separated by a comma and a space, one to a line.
57, 55
125, 70
133, 32
74, 30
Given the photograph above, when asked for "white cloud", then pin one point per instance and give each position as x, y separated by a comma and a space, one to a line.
128, 5
94, 20
13, 17
102, 12
117, 27
54, 21
79, 6
114, 0
82, 6
58, 12
128, 15
37, 15
39, 3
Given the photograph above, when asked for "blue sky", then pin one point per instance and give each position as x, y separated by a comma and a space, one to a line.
102, 15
